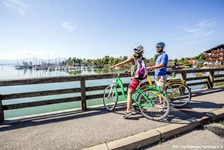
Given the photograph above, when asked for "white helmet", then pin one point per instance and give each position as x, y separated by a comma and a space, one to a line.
139, 49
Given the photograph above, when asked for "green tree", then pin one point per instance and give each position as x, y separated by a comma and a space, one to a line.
151, 59
106, 59
176, 60
202, 57
111, 61
125, 57
156, 56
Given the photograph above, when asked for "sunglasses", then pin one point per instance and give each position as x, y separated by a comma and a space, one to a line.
158, 47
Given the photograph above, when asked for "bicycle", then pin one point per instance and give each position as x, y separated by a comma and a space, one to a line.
145, 99
177, 90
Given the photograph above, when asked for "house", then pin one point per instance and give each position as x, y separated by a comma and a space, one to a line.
215, 54
192, 61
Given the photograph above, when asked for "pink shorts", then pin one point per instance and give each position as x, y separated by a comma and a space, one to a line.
133, 84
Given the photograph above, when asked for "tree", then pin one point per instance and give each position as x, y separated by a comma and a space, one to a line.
106, 59
111, 61
151, 59
175, 60
125, 57
156, 56
202, 57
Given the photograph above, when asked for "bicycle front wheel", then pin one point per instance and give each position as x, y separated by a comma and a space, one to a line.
151, 105
179, 94
110, 97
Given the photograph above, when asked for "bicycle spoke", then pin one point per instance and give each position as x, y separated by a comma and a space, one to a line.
179, 94
149, 107
110, 98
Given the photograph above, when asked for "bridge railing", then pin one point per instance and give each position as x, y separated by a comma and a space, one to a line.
208, 80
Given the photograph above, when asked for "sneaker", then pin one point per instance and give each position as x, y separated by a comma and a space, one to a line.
127, 114
162, 107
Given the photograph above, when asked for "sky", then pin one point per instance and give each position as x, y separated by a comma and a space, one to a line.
94, 28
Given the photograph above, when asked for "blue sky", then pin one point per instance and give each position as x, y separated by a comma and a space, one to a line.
95, 28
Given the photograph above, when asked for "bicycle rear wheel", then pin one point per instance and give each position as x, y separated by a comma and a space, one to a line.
179, 94
110, 97
150, 106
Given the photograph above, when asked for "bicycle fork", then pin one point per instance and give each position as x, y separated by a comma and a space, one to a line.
146, 98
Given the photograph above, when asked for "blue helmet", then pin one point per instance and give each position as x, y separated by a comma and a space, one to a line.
160, 44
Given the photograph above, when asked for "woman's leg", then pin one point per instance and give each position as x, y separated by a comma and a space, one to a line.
129, 99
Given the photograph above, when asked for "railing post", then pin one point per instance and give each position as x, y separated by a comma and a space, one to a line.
83, 93
2, 118
211, 79
183, 76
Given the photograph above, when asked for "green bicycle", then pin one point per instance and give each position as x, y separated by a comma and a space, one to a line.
145, 98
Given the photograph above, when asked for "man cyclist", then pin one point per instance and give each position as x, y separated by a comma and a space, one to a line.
138, 71
160, 68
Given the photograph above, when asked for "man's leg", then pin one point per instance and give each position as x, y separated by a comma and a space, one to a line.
161, 81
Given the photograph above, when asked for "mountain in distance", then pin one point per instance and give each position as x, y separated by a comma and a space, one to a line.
34, 61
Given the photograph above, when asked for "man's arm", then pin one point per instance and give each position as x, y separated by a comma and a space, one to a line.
162, 64
156, 66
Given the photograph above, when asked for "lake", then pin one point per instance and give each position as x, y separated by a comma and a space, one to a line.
9, 72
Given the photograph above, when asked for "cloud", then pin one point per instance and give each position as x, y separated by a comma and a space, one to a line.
68, 26
197, 29
17, 6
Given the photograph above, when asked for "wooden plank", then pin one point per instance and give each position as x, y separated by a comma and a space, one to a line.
221, 80
105, 76
39, 80
2, 116
102, 87
218, 75
196, 78
40, 93
40, 103
197, 83
83, 93
89, 97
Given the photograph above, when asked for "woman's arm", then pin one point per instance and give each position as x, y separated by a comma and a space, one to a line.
130, 59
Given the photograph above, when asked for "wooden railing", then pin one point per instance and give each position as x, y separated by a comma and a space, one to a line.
208, 80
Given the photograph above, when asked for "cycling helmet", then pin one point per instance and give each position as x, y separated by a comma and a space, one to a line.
139, 49
160, 44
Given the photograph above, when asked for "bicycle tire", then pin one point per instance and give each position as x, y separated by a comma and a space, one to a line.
110, 97
153, 112
182, 95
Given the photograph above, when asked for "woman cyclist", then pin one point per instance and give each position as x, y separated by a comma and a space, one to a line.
138, 72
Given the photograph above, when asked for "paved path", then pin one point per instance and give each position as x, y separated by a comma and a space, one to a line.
78, 130
195, 140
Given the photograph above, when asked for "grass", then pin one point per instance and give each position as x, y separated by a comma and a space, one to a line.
221, 122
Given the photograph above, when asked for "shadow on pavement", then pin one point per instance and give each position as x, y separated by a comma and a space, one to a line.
50, 118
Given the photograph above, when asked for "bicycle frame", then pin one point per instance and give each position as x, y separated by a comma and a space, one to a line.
168, 83
139, 91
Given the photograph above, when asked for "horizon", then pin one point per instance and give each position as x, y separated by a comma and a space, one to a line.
92, 29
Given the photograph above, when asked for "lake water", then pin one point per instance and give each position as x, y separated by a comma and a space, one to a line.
9, 72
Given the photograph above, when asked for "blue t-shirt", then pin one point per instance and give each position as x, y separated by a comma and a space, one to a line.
162, 58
